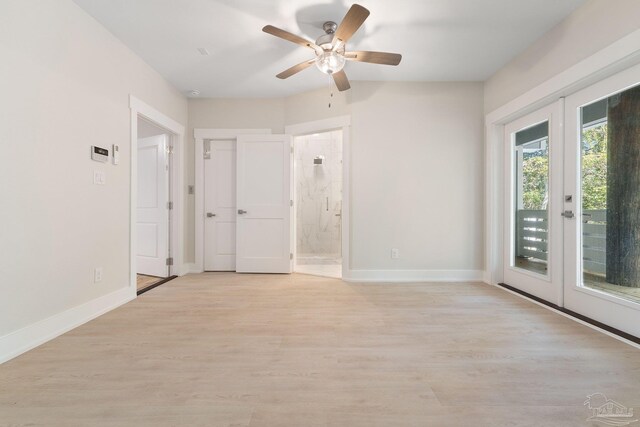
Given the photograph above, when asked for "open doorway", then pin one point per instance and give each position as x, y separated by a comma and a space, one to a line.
154, 205
318, 203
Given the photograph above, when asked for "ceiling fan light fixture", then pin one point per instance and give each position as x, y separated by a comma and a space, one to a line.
330, 62
330, 48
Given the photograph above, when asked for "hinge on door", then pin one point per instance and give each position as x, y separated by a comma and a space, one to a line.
170, 261
169, 205
292, 149
169, 149
290, 202
290, 256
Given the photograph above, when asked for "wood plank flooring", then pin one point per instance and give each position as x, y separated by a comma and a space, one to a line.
221, 349
143, 281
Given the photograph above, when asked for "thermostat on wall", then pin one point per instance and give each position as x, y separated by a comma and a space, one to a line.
99, 154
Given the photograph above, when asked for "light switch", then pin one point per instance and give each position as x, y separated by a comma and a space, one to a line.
99, 177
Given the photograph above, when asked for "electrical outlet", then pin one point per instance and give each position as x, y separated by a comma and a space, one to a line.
97, 275
395, 253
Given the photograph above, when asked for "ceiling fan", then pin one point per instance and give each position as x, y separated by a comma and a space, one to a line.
330, 48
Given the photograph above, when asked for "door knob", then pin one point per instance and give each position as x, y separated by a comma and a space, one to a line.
240, 212
210, 215
567, 214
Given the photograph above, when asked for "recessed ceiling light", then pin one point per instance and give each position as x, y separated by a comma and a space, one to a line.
194, 92
203, 51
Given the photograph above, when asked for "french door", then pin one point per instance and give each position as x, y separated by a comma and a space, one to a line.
602, 173
572, 202
533, 204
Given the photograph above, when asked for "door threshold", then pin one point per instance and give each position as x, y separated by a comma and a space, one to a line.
333, 271
155, 285
578, 316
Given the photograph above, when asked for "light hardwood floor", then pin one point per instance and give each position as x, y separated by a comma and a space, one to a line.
272, 350
143, 281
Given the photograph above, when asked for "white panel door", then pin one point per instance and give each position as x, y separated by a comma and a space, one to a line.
264, 177
153, 216
533, 204
220, 207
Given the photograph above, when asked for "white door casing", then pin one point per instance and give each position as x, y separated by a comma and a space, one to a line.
220, 206
152, 231
549, 286
263, 228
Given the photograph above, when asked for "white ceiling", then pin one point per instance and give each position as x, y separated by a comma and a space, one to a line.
440, 40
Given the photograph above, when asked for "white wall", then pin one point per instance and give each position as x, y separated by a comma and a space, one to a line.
417, 176
590, 28
416, 167
65, 83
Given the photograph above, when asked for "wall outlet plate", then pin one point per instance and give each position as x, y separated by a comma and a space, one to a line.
97, 275
395, 253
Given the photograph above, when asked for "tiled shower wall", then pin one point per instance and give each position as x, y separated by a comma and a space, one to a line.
318, 195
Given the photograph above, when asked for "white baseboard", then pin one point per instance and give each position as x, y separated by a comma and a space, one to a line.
414, 276
23, 340
190, 268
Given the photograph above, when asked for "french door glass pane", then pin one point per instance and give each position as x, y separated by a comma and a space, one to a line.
531, 198
610, 183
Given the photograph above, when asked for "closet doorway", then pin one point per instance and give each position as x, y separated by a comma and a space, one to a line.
318, 203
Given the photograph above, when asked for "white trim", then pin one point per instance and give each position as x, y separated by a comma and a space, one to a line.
414, 276
618, 56
316, 126
199, 136
190, 268
29, 337
141, 109
343, 123
575, 319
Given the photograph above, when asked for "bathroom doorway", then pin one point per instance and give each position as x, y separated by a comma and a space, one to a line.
318, 203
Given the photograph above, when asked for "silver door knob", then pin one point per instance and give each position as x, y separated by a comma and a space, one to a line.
240, 212
567, 214
210, 215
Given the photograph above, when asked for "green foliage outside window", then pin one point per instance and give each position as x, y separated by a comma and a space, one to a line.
594, 168
535, 170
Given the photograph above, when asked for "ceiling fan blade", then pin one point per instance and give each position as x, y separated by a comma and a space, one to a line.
374, 57
342, 82
354, 18
270, 29
295, 69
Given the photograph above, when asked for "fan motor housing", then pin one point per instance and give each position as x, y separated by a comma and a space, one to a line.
325, 41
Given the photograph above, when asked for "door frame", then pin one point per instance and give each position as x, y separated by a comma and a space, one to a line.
326, 125
199, 137
176, 172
